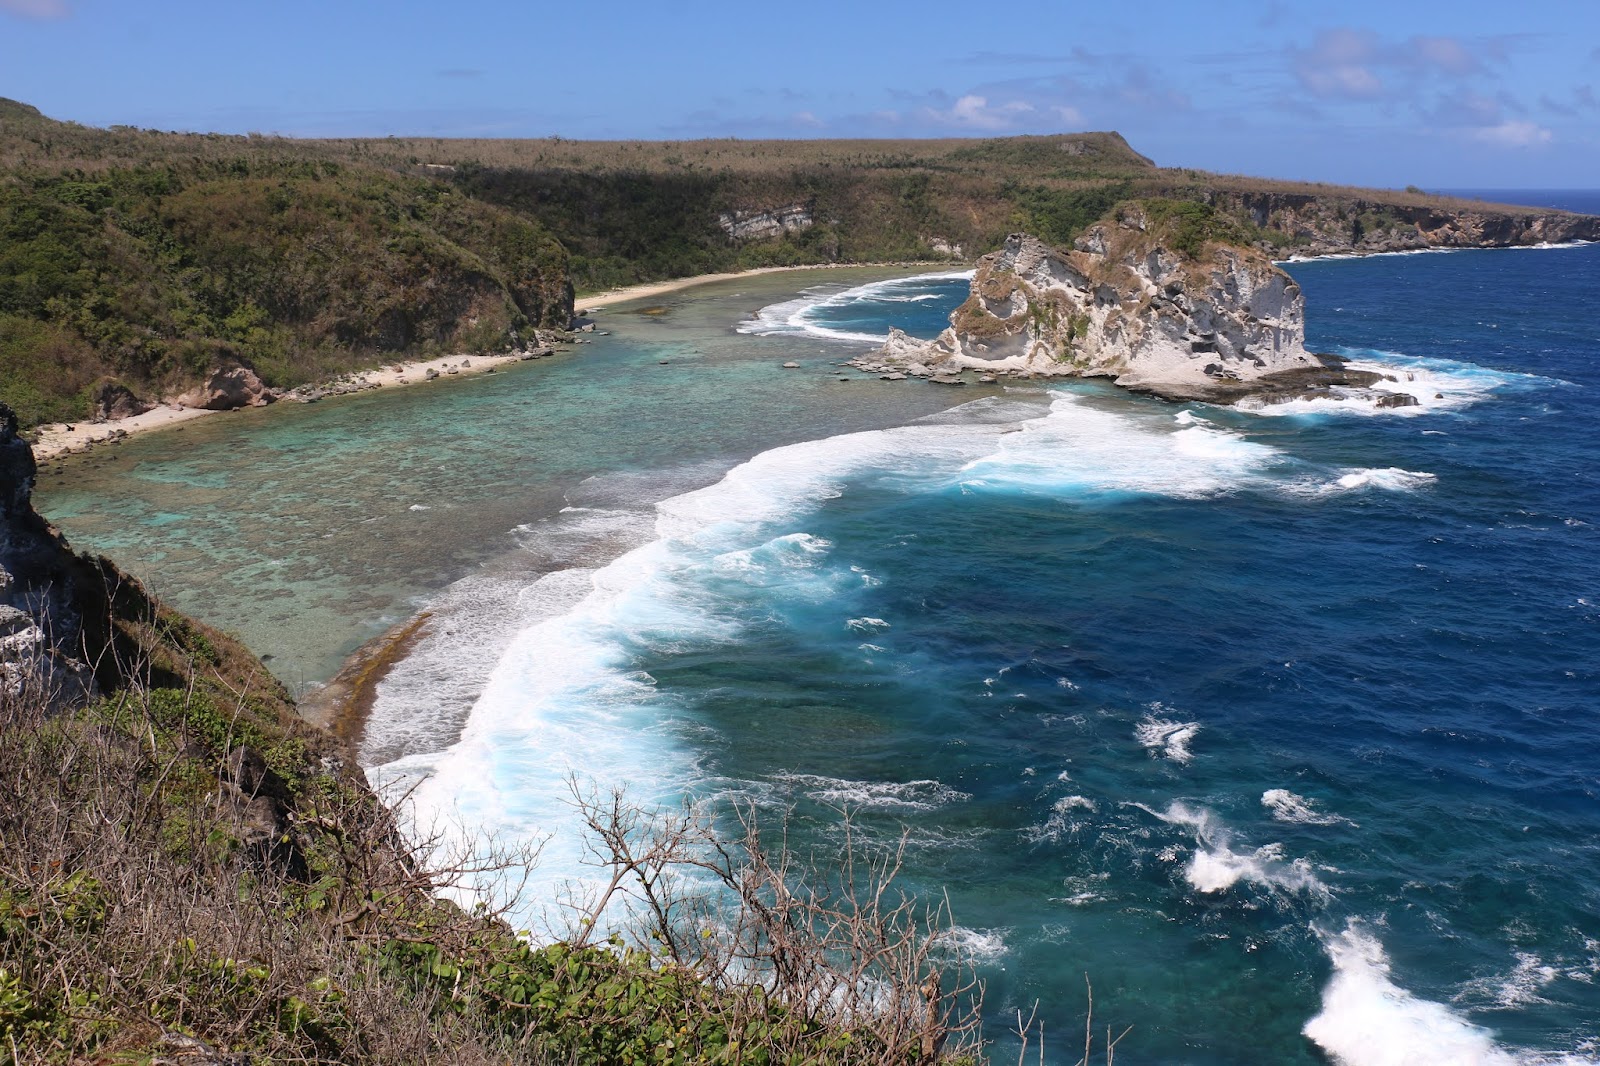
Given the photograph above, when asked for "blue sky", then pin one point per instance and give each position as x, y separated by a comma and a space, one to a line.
1444, 95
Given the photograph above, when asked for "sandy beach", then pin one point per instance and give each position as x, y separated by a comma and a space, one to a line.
595, 301
59, 439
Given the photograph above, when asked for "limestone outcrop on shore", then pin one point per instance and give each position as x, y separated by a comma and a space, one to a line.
1216, 324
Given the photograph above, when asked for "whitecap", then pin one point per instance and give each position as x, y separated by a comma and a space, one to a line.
1166, 737
901, 796
1366, 1019
975, 945
1356, 479
1217, 865
1061, 822
1297, 810
1521, 987
1080, 449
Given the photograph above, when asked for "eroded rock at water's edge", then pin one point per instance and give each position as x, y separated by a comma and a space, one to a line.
1218, 325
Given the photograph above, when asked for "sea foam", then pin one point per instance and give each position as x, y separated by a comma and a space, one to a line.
1166, 736
571, 694
1435, 385
1368, 1020
801, 315
1297, 810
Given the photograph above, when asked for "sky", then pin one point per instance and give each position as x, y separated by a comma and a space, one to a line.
1461, 94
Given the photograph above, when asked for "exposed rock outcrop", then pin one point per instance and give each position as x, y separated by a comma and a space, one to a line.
743, 226
113, 402
1221, 325
41, 626
229, 388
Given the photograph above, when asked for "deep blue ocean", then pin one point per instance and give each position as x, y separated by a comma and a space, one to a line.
1282, 726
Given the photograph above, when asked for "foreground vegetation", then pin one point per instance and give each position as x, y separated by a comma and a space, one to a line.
190, 872
190, 869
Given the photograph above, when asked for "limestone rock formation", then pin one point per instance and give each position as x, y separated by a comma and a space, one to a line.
1123, 304
228, 388
762, 225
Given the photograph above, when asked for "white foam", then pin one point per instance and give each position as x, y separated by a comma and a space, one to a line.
1166, 736
1521, 987
1297, 810
1080, 449
800, 314
567, 693
1368, 1020
1356, 479
1061, 822
1434, 384
1217, 865
975, 945
901, 796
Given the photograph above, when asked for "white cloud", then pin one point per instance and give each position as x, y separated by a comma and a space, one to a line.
1514, 133
807, 119
1069, 115
1358, 64
1340, 63
36, 9
974, 112
1446, 53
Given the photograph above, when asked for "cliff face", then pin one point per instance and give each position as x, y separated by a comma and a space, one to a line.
1124, 305
1327, 225
41, 625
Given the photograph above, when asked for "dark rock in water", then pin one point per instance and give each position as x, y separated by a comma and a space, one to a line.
113, 402
947, 379
1398, 399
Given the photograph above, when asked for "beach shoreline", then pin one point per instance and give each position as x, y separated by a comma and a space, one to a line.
645, 290
60, 439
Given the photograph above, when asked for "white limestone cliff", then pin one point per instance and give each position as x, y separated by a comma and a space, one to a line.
1123, 304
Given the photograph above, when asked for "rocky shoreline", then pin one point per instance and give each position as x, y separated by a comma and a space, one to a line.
121, 415
1219, 323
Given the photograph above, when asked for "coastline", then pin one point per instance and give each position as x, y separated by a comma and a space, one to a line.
60, 439
645, 290
343, 704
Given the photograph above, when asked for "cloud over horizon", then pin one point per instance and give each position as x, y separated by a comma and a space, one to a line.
36, 9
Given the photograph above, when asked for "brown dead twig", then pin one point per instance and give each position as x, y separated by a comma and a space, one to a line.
841, 945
